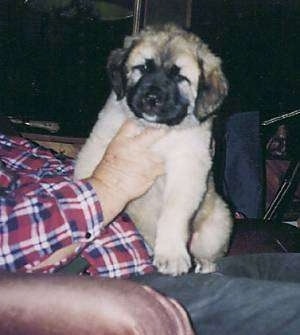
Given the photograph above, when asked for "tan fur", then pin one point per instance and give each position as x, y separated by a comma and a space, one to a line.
164, 213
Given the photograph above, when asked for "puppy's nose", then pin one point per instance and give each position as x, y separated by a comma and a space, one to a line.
152, 99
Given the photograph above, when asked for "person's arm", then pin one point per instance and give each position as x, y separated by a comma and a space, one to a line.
45, 215
126, 171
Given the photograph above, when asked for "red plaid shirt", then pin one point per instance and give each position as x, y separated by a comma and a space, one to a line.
43, 210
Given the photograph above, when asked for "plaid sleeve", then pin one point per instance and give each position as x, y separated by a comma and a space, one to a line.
119, 251
43, 210
37, 222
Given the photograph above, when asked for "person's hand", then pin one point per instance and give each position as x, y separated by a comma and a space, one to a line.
127, 169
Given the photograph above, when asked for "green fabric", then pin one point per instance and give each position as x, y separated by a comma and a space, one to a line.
76, 266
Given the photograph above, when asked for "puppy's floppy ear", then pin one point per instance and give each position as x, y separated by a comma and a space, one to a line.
212, 87
116, 66
117, 72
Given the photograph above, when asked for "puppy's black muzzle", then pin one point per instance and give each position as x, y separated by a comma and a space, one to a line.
153, 100
156, 98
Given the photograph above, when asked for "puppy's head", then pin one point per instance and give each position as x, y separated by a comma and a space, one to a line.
166, 74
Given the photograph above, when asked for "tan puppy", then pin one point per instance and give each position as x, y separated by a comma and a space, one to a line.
167, 77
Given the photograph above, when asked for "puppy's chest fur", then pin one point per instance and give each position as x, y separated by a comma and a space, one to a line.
183, 150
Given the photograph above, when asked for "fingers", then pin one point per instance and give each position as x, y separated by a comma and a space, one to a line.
132, 142
152, 166
145, 137
129, 129
149, 136
159, 170
159, 165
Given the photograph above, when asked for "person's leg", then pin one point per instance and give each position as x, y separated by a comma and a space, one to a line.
275, 267
243, 166
223, 304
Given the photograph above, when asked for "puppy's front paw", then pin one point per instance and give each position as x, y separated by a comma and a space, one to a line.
205, 266
171, 261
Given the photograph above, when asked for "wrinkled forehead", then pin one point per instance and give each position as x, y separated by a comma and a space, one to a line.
167, 53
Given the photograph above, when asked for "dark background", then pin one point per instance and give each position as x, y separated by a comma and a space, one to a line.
52, 59
259, 43
52, 62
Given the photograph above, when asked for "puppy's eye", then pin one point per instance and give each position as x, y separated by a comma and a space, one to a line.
174, 73
148, 67
142, 68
